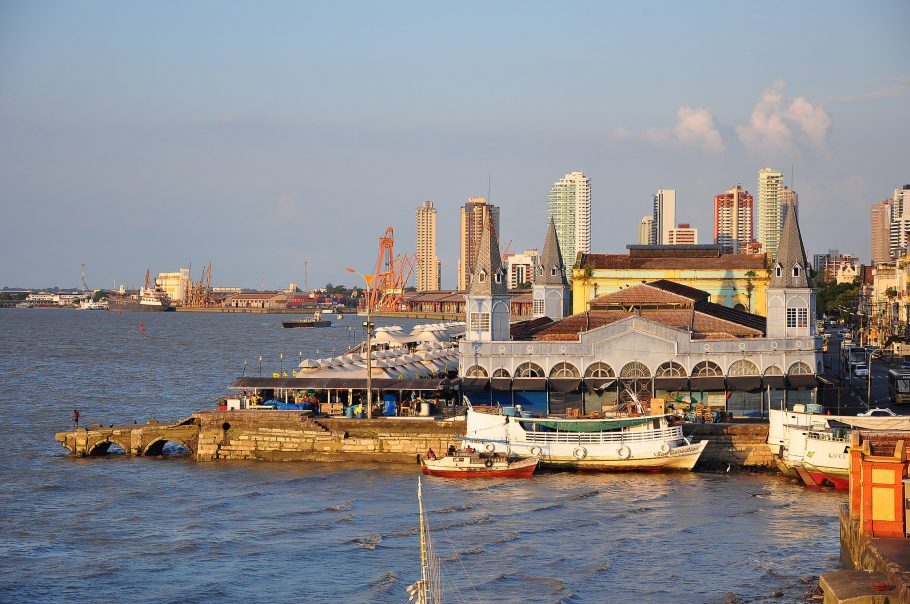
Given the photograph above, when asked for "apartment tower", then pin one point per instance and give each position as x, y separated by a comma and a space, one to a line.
733, 213
644, 230
570, 210
789, 201
683, 234
472, 221
770, 193
428, 278
900, 221
664, 216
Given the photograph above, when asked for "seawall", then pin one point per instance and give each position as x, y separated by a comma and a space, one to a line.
293, 436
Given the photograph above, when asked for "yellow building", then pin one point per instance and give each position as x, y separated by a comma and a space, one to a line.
734, 280
175, 284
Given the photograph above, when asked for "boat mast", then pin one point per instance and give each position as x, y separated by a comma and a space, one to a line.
422, 590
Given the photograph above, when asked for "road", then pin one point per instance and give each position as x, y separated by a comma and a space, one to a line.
858, 385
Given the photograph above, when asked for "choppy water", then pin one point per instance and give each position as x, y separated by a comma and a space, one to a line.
168, 530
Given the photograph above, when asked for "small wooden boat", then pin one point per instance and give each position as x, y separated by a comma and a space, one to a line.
479, 465
316, 321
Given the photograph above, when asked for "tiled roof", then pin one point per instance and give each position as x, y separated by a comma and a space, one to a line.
702, 325
551, 258
524, 330
692, 293
645, 293
790, 253
626, 261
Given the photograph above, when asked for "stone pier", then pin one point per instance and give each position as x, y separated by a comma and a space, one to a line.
293, 436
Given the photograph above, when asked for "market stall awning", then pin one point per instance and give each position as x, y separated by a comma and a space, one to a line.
774, 381
708, 383
529, 384
802, 381
744, 383
565, 384
336, 383
599, 383
671, 383
501, 383
474, 383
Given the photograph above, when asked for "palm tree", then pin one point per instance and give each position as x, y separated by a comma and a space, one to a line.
750, 287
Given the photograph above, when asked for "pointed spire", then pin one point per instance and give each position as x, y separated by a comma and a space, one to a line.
550, 268
488, 277
791, 257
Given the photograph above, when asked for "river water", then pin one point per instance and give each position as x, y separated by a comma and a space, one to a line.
171, 530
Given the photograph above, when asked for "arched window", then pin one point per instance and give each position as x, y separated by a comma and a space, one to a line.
635, 370
564, 370
501, 373
553, 272
670, 369
743, 367
778, 271
799, 368
599, 370
481, 276
773, 370
707, 369
540, 270
796, 270
529, 370
476, 371
498, 278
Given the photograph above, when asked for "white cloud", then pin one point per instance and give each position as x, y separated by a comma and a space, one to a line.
694, 128
777, 122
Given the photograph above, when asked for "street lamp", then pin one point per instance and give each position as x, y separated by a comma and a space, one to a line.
244, 368
260, 365
368, 279
281, 370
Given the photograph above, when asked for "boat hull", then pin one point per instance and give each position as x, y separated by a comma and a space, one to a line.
518, 469
305, 323
133, 306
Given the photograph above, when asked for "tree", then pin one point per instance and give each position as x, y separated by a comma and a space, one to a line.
750, 286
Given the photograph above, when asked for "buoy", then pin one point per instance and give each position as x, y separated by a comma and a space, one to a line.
141, 327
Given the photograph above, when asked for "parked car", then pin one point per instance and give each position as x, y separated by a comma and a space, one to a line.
861, 370
878, 412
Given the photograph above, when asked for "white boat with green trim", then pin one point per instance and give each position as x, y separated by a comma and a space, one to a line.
646, 442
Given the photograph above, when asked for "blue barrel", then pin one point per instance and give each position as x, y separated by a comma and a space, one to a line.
349, 412
510, 411
390, 407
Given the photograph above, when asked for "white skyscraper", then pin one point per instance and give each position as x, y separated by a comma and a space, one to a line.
570, 209
900, 221
664, 217
770, 196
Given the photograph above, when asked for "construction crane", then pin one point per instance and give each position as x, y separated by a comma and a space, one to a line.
199, 293
392, 274
84, 284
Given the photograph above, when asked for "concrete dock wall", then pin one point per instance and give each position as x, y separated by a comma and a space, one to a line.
737, 446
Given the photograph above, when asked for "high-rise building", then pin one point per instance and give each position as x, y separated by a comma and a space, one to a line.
521, 268
175, 284
770, 188
683, 234
644, 230
427, 261
733, 213
664, 216
881, 231
472, 221
789, 200
900, 221
570, 210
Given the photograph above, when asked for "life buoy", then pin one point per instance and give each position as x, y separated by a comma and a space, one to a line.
488, 463
624, 452
490, 447
580, 453
665, 447
535, 451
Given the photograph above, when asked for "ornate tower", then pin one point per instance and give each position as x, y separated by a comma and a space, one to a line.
791, 299
551, 290
487, 303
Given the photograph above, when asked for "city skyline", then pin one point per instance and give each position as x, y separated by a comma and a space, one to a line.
318, 146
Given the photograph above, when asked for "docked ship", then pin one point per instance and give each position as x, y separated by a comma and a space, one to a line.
645, 442
315, 321
148, 299
815, 448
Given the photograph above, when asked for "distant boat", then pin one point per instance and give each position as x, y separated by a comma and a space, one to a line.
89, 305
316, 321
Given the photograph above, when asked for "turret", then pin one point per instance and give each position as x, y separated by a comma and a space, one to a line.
487, 303
550, 289
791, 300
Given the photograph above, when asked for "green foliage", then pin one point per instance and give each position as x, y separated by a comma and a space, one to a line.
891, 292
99, 295
831, 296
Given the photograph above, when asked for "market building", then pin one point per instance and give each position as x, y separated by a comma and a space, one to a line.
662, 338
734, 280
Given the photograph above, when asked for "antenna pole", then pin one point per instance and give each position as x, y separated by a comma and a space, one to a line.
422, 592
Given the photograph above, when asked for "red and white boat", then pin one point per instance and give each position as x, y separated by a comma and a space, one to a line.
474, 465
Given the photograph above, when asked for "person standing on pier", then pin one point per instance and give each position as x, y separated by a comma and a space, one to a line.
75, 419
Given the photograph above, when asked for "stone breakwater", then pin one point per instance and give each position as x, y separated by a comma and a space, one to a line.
292, 436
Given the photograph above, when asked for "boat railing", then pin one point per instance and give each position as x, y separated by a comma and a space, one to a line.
830, 436
672, 433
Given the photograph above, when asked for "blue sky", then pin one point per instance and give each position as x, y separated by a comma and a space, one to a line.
262, 135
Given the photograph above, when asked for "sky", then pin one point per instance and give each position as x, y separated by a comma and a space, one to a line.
265, 136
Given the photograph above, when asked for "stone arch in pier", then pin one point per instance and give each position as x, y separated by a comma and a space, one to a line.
103, 447
158, 447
